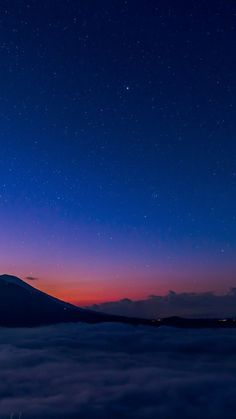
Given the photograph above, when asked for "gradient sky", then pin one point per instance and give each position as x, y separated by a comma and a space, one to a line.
117, 146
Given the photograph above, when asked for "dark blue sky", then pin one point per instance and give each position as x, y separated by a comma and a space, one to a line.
117, 165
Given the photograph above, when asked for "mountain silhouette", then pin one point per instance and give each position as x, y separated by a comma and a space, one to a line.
23, 305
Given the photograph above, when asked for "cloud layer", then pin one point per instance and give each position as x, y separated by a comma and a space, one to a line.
202, 305
117, 371
32, 278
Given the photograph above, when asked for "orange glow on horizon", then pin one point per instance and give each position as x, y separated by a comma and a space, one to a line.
83, 288
82, 293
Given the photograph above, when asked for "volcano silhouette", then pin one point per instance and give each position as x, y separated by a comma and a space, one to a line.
23, 305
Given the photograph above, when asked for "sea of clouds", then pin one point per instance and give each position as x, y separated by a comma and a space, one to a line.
111, 371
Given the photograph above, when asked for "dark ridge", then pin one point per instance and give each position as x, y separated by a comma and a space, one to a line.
22, 305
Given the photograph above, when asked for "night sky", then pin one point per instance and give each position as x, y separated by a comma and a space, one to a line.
118, 151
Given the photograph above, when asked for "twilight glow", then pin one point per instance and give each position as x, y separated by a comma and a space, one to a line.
117, 148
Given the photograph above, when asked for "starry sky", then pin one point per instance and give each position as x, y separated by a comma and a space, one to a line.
117, 146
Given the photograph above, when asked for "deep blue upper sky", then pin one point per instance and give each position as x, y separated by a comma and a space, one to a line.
118, 123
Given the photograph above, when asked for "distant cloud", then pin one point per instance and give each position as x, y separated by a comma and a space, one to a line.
205, 304
32, 278
117, 371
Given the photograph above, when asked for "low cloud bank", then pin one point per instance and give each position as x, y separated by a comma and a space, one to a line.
117, 371
204, 305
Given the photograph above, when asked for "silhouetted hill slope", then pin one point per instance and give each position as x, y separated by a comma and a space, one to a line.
23, 305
